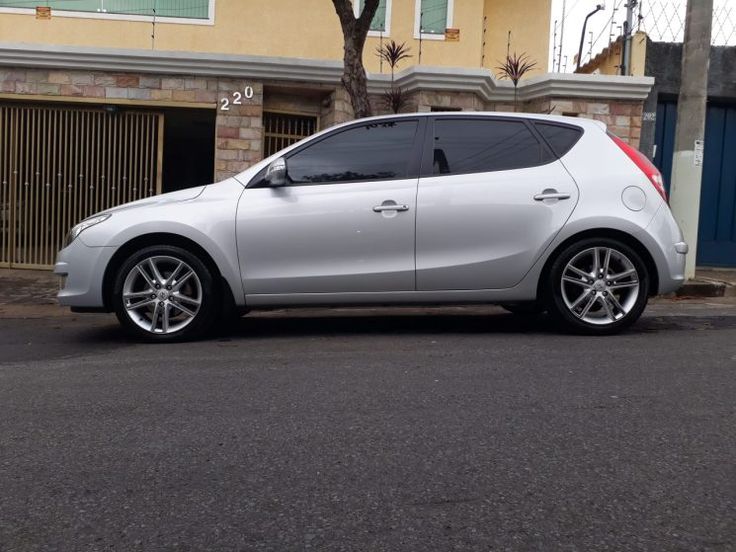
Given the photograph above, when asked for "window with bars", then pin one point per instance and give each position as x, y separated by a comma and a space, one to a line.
434, 16
280, 130
188, 9
379, 24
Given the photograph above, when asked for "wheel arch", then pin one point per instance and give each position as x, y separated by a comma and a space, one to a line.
622, 236
162, 238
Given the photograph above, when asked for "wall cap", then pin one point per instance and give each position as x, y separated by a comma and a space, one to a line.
480, 82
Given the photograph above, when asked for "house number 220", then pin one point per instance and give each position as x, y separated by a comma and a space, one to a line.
237, 98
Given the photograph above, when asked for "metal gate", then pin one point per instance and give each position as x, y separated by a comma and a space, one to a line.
717, 226
59, 165
283, 129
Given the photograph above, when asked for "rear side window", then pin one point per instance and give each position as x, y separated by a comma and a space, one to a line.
374, 151
560, 138
464, 146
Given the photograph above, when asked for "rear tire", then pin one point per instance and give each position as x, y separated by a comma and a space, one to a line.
165, 293
597, 286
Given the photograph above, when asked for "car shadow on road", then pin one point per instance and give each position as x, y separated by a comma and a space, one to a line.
412, 324
296, 323
347, 324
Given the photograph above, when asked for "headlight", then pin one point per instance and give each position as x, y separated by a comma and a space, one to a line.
82, 226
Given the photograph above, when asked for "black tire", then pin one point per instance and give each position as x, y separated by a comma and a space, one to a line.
555, 291
527, 308
196, 326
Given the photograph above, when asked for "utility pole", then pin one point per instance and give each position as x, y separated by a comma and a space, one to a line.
628, 25
687, 161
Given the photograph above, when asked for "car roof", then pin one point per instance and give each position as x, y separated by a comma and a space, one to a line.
577, 121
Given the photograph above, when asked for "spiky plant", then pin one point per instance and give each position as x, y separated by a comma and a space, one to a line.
514, 68
392, 53
395, 99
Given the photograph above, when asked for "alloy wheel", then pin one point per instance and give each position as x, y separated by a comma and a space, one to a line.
162, 294
600, 285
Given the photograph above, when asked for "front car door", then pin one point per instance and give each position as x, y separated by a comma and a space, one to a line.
482, 220
346, 221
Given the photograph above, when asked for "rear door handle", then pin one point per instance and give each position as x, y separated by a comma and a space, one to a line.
390, 207
551, 193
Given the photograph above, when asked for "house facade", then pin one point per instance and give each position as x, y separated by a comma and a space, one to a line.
108, 101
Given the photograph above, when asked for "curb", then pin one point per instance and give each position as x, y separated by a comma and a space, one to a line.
706, 288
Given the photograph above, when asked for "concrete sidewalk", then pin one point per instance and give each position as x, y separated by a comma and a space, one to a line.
32, 293
711, 282
29, 294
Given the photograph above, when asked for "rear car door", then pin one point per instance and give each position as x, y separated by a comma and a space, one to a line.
492, 196
346, 221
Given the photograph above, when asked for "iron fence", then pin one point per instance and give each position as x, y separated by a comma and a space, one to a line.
664, 21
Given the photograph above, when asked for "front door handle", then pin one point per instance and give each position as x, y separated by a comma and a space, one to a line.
390, 207
551, 193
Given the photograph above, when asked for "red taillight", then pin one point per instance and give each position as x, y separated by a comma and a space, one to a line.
644, 164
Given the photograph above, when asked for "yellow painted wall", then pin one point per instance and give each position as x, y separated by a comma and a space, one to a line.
304, 29
528, 21
466, 52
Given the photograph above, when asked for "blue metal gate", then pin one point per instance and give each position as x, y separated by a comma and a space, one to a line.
717, 228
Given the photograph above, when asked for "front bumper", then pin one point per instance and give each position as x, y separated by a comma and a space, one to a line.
82, 269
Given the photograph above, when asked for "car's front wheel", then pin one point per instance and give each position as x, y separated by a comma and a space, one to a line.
165, 293
597, 286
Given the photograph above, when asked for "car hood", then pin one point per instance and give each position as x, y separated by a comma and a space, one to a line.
171, 197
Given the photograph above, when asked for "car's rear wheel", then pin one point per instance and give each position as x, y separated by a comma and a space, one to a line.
165, 293
597, 286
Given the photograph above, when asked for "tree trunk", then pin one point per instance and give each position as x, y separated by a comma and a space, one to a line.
354, 33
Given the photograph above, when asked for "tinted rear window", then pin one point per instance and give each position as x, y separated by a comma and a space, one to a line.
464, 146
560, 138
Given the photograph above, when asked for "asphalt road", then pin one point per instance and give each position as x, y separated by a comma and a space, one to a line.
471, 430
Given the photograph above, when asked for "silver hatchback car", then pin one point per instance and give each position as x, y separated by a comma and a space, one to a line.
536, 213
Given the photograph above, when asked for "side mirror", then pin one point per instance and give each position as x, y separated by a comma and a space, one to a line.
276, 174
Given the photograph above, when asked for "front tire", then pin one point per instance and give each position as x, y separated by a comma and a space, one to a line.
165, 293
597, 286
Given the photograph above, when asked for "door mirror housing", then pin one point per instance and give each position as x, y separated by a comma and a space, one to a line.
277, 174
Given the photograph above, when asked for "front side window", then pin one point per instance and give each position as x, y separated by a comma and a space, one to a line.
433, 16
379, 24
372, 151
463, 146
